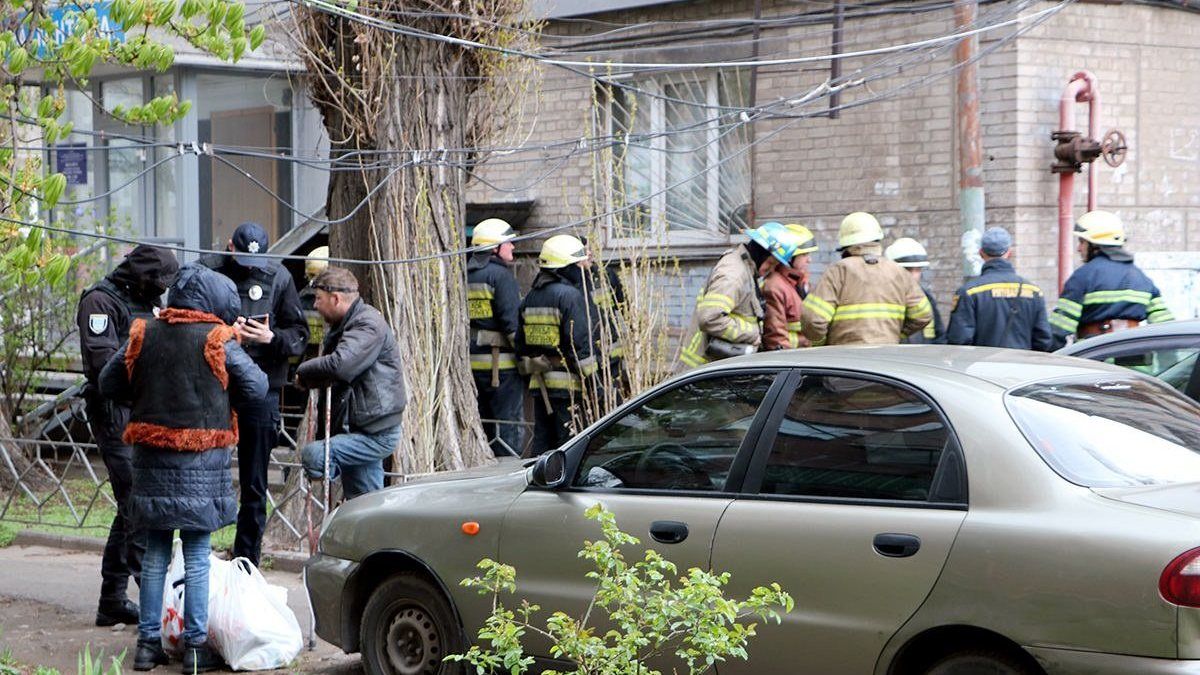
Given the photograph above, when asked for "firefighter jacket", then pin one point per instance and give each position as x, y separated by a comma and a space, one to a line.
268, 290
934, 332
999, 308
1107, 287
556, 334
728, 308
493, 305
864, 298
784, 309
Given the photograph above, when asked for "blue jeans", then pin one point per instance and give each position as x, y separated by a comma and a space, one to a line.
154, 573
356, 458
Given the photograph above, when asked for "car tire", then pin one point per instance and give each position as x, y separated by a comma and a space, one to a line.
407, 627
981, 662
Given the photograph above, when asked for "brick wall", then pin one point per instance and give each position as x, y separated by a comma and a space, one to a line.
897, 157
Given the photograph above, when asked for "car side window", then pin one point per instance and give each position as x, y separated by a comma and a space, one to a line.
862, 439
1170, 364
682, 439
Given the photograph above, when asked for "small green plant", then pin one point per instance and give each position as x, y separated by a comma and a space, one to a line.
8, 663
7, 534
651, 612
95, 666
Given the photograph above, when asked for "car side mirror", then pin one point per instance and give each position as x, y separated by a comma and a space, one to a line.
550, 470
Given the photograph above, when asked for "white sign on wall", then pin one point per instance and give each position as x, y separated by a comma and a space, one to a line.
1177, 275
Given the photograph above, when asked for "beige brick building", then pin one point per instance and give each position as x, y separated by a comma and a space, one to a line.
895, 155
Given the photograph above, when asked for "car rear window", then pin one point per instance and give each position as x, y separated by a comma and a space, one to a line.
1111, 431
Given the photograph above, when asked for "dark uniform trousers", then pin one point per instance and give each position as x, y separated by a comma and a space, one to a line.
504, 402
550, 429
123, 551
258, 433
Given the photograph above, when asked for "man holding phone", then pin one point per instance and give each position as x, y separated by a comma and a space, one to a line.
273, 329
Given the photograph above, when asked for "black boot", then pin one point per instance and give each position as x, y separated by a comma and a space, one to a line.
113, 612
149, 655
201, 659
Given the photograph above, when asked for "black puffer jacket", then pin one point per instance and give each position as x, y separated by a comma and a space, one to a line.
362, 364
189, 489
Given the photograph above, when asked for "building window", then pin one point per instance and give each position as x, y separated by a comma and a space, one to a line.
681, 162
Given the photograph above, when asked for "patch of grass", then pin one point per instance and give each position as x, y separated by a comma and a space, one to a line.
8, 663
7, 534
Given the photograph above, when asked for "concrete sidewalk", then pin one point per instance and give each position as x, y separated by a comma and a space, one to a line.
48, 603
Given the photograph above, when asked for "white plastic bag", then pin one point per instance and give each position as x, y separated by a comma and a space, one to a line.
171, 619
249, 622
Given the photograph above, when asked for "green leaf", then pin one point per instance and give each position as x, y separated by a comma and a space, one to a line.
239, 48
163, 11
18, 58
53, 188
234, 15
257, 35
189, 9
56, 271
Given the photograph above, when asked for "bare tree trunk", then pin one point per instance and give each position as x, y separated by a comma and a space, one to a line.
412, 99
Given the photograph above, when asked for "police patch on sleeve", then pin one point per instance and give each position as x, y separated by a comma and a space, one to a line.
98, 323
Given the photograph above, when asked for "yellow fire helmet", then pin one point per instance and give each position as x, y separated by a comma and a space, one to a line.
492, 232
561, 250
1102, 228
859, 228
907, 252
316, 262
808, 243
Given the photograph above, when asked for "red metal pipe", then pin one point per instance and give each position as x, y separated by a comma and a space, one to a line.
1082, 88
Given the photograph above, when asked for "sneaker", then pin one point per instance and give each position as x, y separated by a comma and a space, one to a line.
113, 612
201, 659
149, 655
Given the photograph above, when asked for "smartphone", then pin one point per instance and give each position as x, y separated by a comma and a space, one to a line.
264, 319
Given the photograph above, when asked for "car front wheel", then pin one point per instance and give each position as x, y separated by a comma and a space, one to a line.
407, 628
981, 662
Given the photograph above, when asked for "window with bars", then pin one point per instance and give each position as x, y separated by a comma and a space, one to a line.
681, 161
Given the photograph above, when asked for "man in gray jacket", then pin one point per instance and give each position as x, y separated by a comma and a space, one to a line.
362, 364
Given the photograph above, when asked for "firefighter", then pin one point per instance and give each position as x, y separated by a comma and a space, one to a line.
105, 313
556, 340
1108, 292
784, 290
493, 304
999, 308
729, 308
911, 255
272, 329
606, 293
315, 262
864, 298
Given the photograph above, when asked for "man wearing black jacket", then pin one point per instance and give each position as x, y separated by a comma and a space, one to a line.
999, 308
362, 365
273, 329
106, 310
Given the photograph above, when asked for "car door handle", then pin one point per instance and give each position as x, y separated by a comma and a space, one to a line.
668, 531
897, 545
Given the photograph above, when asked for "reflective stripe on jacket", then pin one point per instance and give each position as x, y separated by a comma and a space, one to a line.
1000, 309
865, 298
934, 332
555, 324
728, 307
493, 302
1107, 288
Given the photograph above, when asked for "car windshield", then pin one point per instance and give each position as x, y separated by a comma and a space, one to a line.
1106, 431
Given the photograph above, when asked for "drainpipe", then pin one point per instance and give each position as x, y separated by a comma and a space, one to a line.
970, 140
1082, 88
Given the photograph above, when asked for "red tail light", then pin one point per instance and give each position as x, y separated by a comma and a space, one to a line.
1180, 581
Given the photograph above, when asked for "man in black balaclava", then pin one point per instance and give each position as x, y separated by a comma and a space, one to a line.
106, 310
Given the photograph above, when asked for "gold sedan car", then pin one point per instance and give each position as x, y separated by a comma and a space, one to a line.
933, 510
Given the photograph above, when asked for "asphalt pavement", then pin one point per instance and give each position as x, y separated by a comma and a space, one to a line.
48, 603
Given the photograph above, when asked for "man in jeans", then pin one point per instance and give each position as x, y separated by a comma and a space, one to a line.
362, 364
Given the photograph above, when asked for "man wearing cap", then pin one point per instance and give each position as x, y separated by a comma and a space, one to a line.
361, 362
493, 305
106, 312
864, 298
556, 341
999, 308
272, 329
911, 255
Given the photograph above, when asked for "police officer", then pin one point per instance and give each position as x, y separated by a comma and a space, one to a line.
273, 329
911, 255
493, 304
556, 340
1108, 292
999, 308
105, 313
864, 298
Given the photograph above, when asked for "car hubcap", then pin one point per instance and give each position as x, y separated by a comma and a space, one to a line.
413, 644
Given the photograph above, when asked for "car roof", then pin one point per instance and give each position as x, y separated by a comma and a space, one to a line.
976, 366
1154, 330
